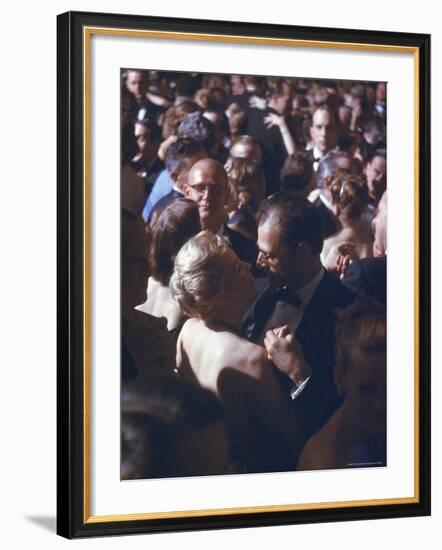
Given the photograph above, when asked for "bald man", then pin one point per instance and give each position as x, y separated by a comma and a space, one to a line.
207, 186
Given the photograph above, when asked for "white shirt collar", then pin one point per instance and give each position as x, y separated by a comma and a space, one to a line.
326, 202
317, 154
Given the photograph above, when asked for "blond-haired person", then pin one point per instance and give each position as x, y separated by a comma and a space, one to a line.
214, 288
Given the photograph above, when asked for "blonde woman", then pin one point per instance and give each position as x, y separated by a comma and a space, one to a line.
214, 288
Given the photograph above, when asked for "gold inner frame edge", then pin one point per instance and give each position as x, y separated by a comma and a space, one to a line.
87, 33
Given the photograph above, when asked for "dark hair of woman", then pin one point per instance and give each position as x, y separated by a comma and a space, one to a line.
176, 224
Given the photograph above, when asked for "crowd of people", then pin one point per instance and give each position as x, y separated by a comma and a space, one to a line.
253, 251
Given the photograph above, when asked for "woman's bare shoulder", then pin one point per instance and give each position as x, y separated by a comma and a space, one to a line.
191, 325
244, 355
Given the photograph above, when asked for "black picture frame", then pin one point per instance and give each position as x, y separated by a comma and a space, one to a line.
73, 520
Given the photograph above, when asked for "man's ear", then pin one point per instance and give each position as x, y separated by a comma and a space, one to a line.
185, 189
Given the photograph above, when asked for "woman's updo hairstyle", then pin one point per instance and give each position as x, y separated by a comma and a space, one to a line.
349, 192
197, 279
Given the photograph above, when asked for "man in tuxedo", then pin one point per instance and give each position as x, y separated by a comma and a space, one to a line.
303, 299
207, 186
323, 134
146, 162
140, 107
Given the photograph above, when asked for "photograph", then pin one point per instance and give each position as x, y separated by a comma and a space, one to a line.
254, 274
223, 286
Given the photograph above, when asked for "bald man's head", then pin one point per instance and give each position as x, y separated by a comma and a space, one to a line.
207, 186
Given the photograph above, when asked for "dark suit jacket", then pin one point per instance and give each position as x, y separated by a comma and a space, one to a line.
272, 147
316, 337
163, 203
368, 276
330, 224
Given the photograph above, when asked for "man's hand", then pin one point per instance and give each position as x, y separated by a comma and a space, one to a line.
257, 102
340, 257
284, 351
272, 119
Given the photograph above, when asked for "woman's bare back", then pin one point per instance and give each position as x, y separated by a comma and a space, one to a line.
239, 373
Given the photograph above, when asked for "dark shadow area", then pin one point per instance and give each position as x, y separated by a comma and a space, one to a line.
49, 523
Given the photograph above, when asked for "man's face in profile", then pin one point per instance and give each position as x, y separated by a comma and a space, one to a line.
142, 137
375, 171
272, 256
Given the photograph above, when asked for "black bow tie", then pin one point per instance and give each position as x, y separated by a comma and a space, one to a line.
283, 295
257, 316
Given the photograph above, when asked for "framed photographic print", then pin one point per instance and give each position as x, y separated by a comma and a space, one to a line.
223, 287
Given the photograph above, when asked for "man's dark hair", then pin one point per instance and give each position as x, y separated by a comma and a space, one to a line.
128, 143
296, 173
347, 140
181, 149
295, 218
217, 99
152, 126
175, 226
372, 122
125, 73
259, 82
199, 128
186, 85
223, 121
377, 153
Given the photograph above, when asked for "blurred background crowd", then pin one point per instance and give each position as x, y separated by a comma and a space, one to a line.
254, 268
